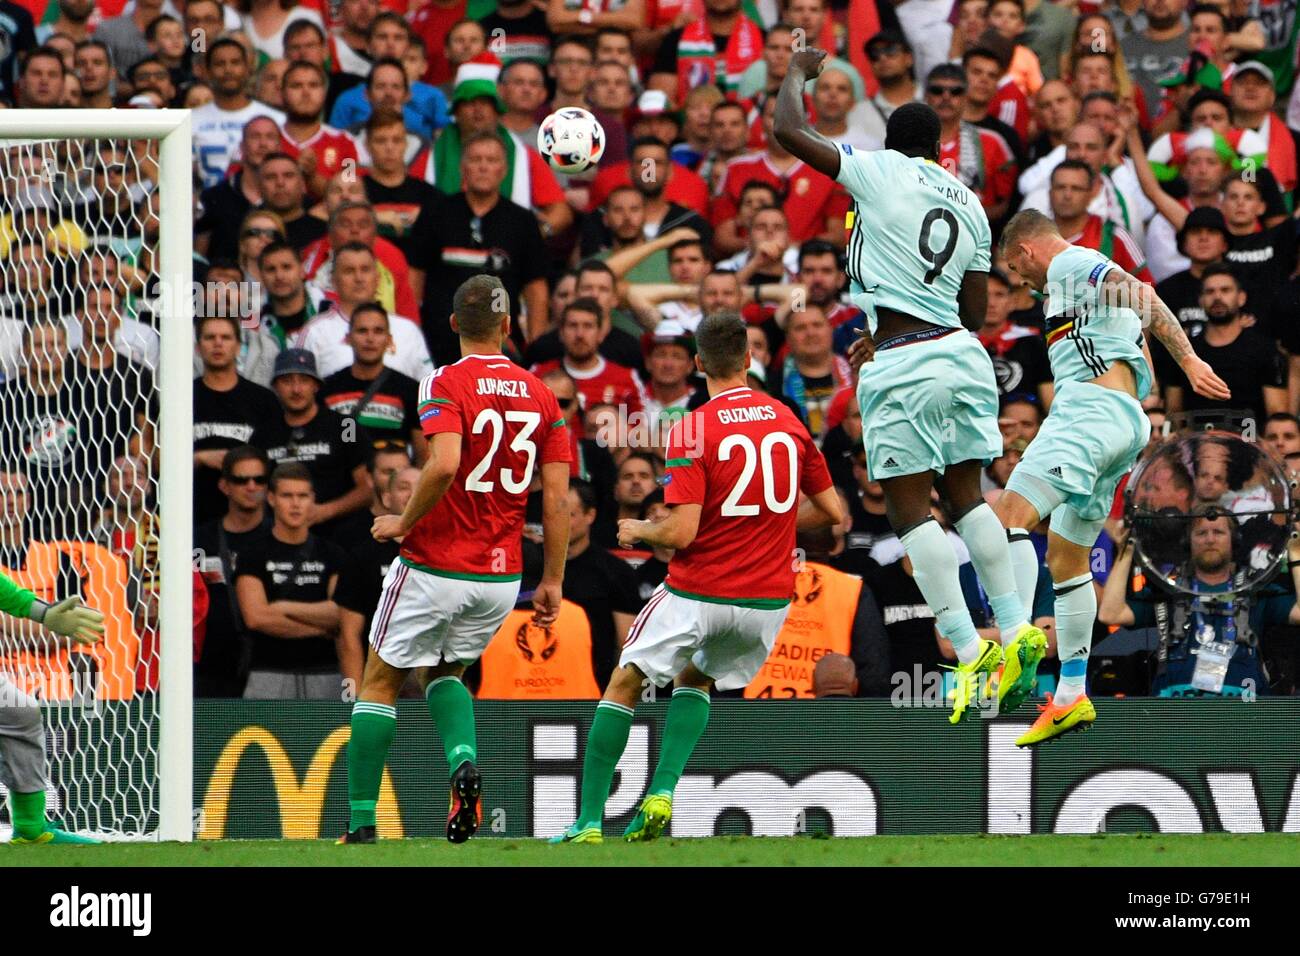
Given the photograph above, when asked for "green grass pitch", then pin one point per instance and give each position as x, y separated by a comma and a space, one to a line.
1098, 850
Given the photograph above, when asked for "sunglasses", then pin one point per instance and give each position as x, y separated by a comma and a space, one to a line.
936, 89
257, 233
248, 479
888, 49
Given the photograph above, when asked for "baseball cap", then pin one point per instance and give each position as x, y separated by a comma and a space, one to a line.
1202, 217
1254, 66
667, 332
652, 103
885, 37
295, 362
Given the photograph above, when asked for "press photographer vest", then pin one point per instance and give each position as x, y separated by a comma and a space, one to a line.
1174, 621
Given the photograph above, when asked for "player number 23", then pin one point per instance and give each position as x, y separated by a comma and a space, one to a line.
491, 418
732, 508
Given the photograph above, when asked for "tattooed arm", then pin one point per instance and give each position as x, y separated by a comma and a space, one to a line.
1123, 290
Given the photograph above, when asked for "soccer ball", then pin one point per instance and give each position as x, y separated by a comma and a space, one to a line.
571, 139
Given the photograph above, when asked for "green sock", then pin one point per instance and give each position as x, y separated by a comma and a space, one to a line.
27, 811
373, 727
688, 715
605, 745
452, 710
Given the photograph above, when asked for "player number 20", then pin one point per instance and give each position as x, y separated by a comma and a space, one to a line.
938, 258
732, 508
491, 418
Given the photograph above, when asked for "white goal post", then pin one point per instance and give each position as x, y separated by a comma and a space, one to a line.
166, 755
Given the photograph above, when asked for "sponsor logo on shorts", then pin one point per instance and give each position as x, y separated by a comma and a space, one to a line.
889, 463
1055, 472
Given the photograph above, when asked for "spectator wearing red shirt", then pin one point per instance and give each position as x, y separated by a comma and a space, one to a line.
681, 188
980, 158
352, 219
990, 90
815, 205
433, 23
1071, 191
321, 151
599, 380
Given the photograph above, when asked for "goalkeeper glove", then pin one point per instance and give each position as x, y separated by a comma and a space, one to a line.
68, 618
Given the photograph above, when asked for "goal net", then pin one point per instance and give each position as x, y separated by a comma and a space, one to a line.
95, 399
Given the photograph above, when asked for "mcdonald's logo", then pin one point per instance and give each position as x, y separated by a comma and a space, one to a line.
301, 803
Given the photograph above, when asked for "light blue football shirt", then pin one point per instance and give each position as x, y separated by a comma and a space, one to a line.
917, 230
1086, 336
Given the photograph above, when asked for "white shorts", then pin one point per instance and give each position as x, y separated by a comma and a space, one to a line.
726, 642
425, 619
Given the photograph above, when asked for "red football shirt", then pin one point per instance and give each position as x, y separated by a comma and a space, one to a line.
1124, 250
999, 166
509, 423
332, 147
316, 254
810, 197
684, 187
607, 384
432, 23
744, 457
1011, 107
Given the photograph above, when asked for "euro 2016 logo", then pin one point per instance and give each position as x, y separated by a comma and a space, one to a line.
536, 644
808, 587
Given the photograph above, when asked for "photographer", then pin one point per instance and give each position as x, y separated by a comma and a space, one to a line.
1206, 647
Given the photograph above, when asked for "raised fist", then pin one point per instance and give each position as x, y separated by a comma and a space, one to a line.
809, 62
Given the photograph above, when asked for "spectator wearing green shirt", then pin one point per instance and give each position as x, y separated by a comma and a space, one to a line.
1049, 32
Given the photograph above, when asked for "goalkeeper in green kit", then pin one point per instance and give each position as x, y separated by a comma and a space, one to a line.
22, 737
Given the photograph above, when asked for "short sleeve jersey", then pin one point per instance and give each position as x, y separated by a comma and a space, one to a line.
743, 457
917, 230
509, 423
1086, 336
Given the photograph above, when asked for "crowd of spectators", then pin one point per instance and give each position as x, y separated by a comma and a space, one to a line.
355, 161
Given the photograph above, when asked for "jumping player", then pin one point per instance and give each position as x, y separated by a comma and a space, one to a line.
918, 260
1095, 315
